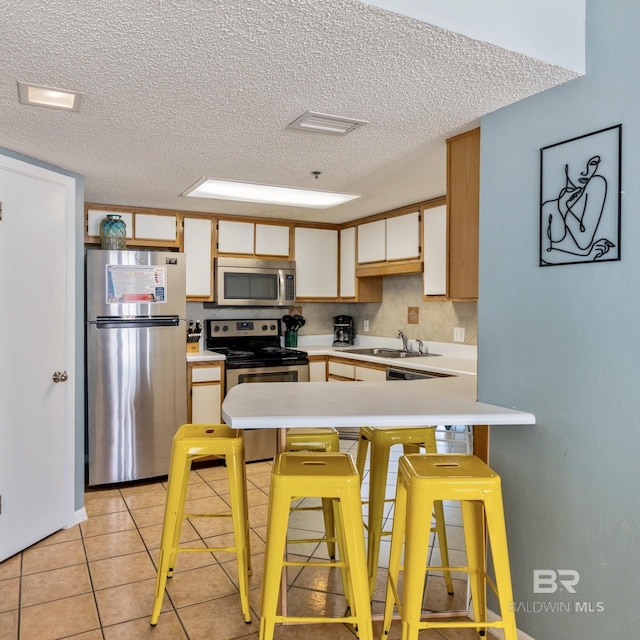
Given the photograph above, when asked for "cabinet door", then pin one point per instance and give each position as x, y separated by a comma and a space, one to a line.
403, 236
435, 251
316, 262
370, 374
317, 370
197, 249
272, 240
348, 263
149, 226
235, 237
372, 242
206, 403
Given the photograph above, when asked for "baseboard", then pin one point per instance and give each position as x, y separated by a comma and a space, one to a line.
498, 633
79, 516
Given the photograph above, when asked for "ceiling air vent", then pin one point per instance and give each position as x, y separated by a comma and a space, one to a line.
325, 123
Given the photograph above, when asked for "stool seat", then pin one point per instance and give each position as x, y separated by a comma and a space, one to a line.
190, 443
423, 479
331, 476
381, 440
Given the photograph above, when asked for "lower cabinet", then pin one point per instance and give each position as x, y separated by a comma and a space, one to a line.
317, 368
345, 370
205, 392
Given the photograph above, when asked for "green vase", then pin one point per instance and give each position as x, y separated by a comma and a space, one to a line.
113, 232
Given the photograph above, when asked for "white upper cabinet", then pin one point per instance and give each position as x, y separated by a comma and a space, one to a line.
435, 251
156, 227
272, 240
235, 237
197, 249
393, 238
316, 254
348, 263
403, 237
372, 242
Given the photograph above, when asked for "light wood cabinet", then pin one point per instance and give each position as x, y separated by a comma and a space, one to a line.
197, 247
390, 244
253, 239
344, 369
316, 256
353, 289
463, 207
205, 392
144, 229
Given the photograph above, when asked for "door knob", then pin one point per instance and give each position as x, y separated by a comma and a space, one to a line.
60, 376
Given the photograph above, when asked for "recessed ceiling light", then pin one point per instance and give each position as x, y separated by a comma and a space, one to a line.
266, 194
41, 96
325, 123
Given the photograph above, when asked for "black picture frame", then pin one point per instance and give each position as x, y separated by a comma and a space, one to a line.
580, 199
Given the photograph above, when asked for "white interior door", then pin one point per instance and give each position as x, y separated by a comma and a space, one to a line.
37, 294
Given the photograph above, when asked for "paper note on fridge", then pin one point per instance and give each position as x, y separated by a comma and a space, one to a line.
136, 283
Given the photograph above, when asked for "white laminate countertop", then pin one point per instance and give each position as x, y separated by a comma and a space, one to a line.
441, 364
376, 404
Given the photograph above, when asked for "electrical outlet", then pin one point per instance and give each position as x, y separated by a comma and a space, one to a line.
366, 326
458, 334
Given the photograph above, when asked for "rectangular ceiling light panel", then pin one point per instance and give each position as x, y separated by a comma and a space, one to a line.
266, 194
325, 123
41, 96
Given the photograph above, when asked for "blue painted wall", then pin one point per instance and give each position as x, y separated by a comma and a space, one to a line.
564, 343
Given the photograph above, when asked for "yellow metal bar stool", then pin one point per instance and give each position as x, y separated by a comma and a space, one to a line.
381, 441
321, 475
423, 479
193, 442
317, 439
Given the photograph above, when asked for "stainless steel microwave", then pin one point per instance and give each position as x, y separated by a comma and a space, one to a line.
246, 282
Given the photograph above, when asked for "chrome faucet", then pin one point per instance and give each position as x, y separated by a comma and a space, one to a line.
404, 340
420, 343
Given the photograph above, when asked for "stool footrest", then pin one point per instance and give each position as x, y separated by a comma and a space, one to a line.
302, 620
186, 516
320, 563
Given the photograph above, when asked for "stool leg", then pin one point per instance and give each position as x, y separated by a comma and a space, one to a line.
240, 518
418, 527
353, 537
474, 538
379, 464
279, 503
361, 454
498, 539
329, 526
442, 543
178, 471
182, 481
395, 555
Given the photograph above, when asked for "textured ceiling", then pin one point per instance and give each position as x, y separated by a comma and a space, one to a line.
181, 89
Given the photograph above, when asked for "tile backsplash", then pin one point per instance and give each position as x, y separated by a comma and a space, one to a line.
436, 319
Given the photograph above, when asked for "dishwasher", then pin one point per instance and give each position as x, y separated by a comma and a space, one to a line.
352, 433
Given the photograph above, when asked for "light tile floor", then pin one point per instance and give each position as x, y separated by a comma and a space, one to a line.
96, 581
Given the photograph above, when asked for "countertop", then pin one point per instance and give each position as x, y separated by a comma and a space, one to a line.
377, 404
440, 363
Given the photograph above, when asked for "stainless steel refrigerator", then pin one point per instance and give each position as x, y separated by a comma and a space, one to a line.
136, 362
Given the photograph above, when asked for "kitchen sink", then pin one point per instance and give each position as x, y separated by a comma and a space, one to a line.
387, 353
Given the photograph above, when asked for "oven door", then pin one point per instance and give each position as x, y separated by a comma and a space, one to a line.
262, 444
285, 373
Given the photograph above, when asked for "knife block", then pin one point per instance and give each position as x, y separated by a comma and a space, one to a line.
193, 347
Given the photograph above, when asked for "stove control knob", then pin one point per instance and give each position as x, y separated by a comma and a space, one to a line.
216, 328
225, 328
264, 327
273, 327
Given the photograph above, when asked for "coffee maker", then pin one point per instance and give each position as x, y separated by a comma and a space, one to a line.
343, 332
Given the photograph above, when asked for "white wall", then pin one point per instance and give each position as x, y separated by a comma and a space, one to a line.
562, 343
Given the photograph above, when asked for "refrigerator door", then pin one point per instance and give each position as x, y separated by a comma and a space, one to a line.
136, 398
135, 283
